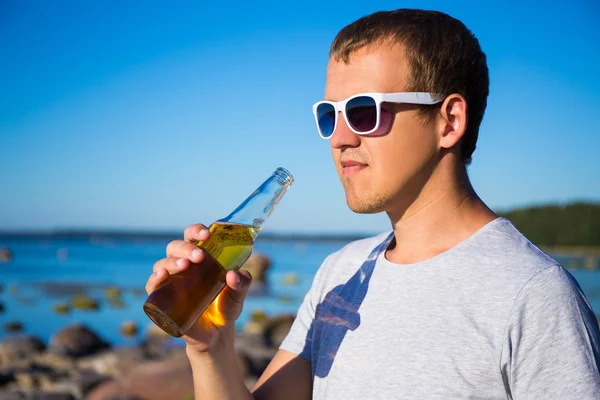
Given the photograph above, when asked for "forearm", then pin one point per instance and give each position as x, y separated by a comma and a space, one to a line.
216, 372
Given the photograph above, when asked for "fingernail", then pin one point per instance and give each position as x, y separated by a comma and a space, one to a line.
238, 280
204, 232
157, 273
196, 254
180, 262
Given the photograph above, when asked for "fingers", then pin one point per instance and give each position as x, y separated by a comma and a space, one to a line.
181, 249
195, 232
180, 255
157, 279
238, 283
172, 264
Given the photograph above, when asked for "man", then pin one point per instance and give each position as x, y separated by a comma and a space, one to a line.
452, 303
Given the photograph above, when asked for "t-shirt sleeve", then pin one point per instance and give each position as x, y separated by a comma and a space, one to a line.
551, 348
299, 338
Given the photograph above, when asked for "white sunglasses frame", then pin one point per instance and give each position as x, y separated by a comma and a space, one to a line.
424, 98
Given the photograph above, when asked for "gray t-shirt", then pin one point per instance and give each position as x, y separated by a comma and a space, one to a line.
491, 318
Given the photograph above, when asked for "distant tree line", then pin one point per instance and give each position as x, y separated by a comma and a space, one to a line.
576, 224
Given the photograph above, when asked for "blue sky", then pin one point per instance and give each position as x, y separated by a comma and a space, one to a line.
143, 115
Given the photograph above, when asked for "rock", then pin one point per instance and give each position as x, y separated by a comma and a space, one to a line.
77, 341
156, 338
13, 326
256, 356
256, 324
115, 363
129, 328
17, 348
285, 300
138, 292
154, 333
55, 362
116, 304
277, 328
591, 262
5, 255
57, 396
62, 308
20, 365
38, 378
290, 279
250, 382
258, 265
6, 376
112, 292
258, 316
261, 340
253, 328
156, 344
84, 302
27, 380
34, 395
65, 289
78, 386
62, 254
152, 380
1, 307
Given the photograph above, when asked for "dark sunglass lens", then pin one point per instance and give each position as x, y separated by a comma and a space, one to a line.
386, 119
326, 118
362, 113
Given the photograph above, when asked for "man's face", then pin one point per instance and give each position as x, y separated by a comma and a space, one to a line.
379, 170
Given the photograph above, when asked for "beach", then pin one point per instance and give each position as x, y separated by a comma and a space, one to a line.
73, 325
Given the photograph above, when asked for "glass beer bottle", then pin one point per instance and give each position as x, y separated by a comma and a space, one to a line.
177, 305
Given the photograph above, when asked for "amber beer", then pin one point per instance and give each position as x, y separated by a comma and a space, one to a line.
177, 305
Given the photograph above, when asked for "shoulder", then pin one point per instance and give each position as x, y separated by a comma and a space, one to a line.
551, 288
504, 253
536, 281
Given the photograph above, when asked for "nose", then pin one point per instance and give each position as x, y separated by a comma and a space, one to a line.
343, 135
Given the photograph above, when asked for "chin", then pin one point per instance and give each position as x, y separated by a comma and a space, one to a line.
365, 205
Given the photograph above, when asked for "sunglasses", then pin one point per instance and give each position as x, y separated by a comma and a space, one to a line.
363, 112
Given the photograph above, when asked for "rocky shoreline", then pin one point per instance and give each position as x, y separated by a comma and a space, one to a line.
78, 364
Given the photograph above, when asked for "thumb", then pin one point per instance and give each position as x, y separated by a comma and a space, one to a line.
238, 283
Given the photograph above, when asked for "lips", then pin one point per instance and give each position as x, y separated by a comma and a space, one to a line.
352, 163
350, 167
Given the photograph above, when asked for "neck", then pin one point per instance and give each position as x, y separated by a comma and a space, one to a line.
444, 213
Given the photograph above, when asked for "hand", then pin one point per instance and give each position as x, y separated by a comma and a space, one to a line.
220, 317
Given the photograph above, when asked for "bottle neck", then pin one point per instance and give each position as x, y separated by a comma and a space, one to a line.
257, 208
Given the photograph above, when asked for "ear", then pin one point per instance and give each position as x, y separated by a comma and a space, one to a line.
453, 120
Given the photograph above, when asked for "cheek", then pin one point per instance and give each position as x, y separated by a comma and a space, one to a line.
403, 153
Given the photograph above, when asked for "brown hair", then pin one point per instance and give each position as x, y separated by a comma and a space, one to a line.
444, 57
